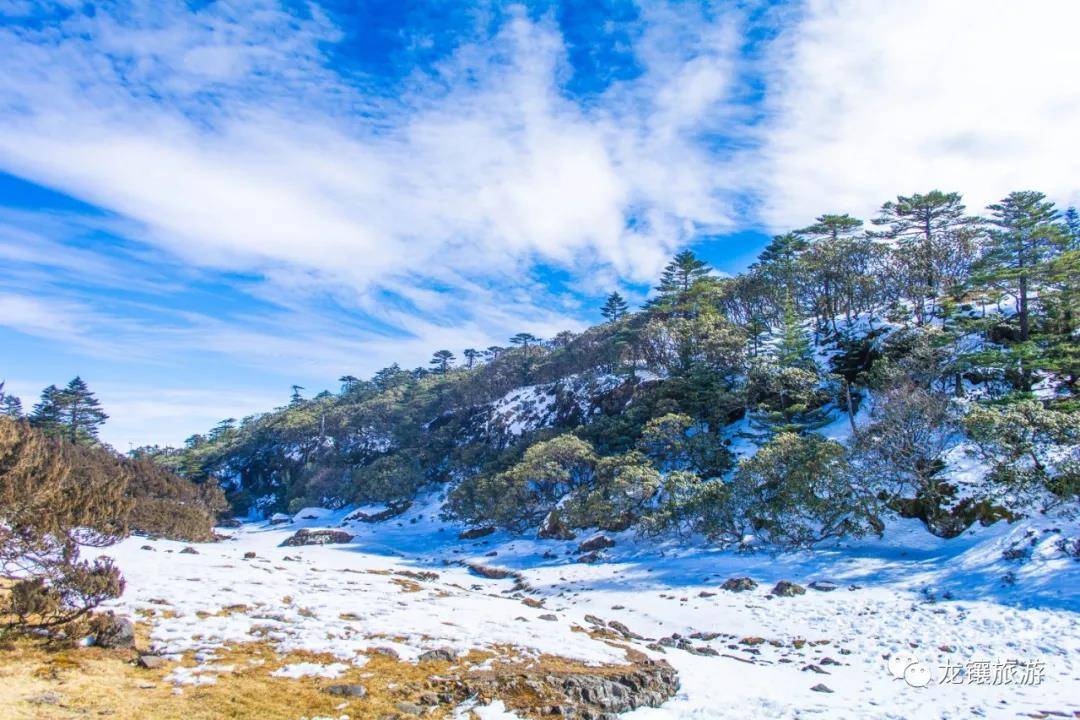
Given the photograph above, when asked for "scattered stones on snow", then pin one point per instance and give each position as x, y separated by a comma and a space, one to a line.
317, 537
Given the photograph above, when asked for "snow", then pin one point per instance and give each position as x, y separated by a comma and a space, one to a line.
307, 669
942, 601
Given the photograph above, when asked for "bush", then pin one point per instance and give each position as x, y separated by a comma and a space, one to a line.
168, 506
52, 497
797, 490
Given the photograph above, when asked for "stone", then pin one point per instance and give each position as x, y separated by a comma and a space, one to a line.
785, 588
148, 547
550, 617
346, 690
491, 573
821, 687
553, 528
590, 557
151, 662
532, 602
429, 698
317, 537
823, 585
188, 550
392, 510
624, 631
439, 654
249, 555
409, 708
384, 651
113, 631
596, 542
739, 584
474, 533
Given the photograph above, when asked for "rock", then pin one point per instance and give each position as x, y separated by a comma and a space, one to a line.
46, 698
409, 708
151, 662
491, 573
280, 519
346, 690
230, 524
249, 555
550, 617
706, 594
821, 687
317, 537
392, 510
739, 584
148, 547
815, 669
590, 557
533, 602
593, 620
624, 631
384, 651
823, 585
112, 631
553, 528
439, 654
785, 588
583, 693
429, 698
474, 533
188, 550
596, 542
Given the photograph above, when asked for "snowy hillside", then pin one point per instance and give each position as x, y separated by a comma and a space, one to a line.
404, 584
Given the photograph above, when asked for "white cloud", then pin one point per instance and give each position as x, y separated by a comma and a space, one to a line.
872, 99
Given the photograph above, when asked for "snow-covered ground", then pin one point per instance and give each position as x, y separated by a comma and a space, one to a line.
945, 604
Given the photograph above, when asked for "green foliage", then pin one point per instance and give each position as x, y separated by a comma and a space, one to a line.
797, 490
74, 412
1029, 446
615, 307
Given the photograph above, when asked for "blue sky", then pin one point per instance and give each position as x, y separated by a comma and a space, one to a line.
204, 203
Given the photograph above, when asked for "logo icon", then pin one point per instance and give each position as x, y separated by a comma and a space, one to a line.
905, 666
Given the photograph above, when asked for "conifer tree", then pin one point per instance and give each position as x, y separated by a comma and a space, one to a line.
471, 354
442, 360
935, 240
47, 414
10, 405
1023, 237
74, 412
296, 398
615, 308
681, 273
794, 347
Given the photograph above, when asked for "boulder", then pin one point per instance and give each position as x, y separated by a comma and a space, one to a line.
280, 519
553, 528
249, 555
785, 588
596, 542
474, 533
739, 584
151, 662
346, 690
188, 550
823, 585
112, 631
439, 654
317, 537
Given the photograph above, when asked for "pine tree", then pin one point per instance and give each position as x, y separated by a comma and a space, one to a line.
10, 405
681, 273
442, 360
794, 348
615, 308
348, 382
471, 355
296, 398
1072, 224
1024, 236
47, 414
525, 340
935, 240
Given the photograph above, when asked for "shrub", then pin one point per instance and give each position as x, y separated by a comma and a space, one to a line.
168, 506
795, 491
52, 497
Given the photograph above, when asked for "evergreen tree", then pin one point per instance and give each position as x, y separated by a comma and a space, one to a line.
1072, 224
525, 340
296, 398
681, 273
777, 262
794, 348
348, 382
10, 405
471, 355
74, 412
442, 360
935, 242
47, 414
615, 308
1023, 237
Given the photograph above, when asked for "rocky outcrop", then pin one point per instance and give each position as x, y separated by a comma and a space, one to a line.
317, 537
553, 528
585, 693
474, 533
739, 584
596, 542
786, 588
393, 509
